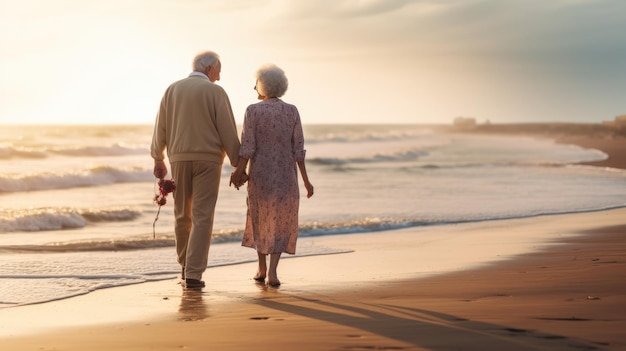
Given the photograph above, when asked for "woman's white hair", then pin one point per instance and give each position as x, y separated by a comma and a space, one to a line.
271, 81
204, 60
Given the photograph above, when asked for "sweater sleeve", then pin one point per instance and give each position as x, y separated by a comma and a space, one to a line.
157, 148
227, 128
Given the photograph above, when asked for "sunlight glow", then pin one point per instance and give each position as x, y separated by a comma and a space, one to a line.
348, 61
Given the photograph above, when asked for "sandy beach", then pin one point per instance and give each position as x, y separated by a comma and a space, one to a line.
542, 283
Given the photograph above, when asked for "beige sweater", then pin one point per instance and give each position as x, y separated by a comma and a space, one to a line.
195, 123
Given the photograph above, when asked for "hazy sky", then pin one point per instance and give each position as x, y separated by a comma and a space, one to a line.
348, 61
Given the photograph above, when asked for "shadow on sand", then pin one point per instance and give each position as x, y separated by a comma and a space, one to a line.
421, 328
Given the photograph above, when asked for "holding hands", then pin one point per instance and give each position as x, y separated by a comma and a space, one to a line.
238, 178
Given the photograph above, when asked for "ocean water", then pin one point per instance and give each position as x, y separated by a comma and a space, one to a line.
77, 215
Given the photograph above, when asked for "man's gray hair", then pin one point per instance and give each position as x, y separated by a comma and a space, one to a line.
204, 60
271, 81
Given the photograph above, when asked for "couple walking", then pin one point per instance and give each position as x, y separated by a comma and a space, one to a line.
195, 124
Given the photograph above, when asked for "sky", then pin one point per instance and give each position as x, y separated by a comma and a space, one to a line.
347, 61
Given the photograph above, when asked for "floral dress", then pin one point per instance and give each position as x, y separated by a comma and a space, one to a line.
273, 141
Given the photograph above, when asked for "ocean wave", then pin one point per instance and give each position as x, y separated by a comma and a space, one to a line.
376, 224
398, 156
9, 152
307, 229
340, 164
364, 225
92, 245
23, 152
411, 156
396, 133
147, 241
139, 242
60, 218
111, 150
460, 165
99, 175
21, 290
63, 278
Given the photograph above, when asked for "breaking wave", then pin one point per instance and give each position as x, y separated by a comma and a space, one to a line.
100, 175
45, 219
117, 149
67, 218
399, 156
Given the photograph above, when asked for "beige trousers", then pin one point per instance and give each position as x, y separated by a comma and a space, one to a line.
197, 185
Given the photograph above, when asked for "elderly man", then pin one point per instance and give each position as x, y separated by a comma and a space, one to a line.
195, 123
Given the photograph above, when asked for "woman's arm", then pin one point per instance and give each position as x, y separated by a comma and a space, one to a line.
305, 178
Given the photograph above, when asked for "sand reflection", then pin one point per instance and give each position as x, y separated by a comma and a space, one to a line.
193, 307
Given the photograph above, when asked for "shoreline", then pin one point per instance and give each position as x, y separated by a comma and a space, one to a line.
615, 148
560, 291
610, 140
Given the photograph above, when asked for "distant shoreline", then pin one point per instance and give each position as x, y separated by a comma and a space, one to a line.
608, 139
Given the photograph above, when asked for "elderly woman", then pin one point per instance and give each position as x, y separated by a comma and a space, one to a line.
273, 142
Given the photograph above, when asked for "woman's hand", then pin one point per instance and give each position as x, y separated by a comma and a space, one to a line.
238, 179
309, 189
239, 176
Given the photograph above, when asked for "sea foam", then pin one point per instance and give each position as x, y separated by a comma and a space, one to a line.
44, 219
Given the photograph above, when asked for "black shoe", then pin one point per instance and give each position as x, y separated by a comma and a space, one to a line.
193, 284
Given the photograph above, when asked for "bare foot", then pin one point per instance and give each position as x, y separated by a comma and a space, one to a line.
273, 281
260, 276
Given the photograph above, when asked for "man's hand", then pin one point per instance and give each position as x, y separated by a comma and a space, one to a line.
238, 179
160, 170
